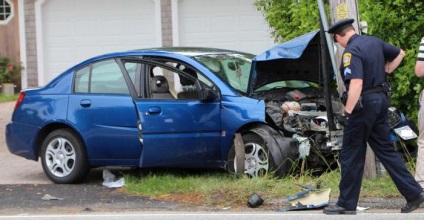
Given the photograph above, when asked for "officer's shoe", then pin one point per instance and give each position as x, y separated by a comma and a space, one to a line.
413, 204
337, 210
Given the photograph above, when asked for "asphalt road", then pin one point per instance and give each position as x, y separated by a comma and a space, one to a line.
24, 188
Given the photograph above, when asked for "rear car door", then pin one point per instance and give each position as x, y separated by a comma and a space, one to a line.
104, 113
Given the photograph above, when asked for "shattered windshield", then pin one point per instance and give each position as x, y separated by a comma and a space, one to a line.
234, 68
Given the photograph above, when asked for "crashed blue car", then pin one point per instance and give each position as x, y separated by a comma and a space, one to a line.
179, 107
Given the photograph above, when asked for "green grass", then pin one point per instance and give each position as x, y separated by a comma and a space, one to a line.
4, 98
218, 188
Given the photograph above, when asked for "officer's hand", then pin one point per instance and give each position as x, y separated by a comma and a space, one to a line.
343, 119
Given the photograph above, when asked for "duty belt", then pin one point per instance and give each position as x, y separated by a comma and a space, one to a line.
377, 89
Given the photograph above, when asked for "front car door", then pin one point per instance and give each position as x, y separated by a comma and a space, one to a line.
178, 129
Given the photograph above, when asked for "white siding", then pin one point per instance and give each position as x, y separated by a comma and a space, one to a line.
74, 30
229, 24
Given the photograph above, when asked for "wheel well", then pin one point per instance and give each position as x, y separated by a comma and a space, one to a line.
284, 149
46, 131
250, 126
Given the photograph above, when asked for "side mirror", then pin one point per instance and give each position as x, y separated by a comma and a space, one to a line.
208, 95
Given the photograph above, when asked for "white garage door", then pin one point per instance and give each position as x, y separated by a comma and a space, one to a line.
74, 30
229, 24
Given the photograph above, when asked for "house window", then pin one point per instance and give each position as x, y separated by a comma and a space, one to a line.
6, 11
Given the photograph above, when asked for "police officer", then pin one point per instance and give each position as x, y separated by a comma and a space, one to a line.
419, 72
365, 63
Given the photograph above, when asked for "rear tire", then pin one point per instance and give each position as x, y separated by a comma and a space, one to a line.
63, 157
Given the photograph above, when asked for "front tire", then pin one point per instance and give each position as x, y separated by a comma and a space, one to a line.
63, 157
258, 161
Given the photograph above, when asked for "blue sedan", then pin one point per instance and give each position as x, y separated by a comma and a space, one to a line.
162, 107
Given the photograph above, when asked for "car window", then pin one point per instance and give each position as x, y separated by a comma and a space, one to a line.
131, 69
234, 68
82, 77
167, 84
104, 77
180, 86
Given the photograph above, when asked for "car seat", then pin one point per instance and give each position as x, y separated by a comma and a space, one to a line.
160, 88
189, 89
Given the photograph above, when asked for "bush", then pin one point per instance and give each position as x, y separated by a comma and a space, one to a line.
10, 71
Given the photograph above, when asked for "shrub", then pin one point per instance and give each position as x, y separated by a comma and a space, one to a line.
9, 71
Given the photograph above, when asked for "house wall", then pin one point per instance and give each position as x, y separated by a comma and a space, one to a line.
9, 39
9, 36
168, 23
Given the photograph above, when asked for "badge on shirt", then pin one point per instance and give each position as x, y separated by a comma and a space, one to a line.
346, 59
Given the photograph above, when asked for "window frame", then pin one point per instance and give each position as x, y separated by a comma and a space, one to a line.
3, 19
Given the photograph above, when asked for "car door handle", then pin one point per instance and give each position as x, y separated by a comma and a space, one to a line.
154, 110
85, 103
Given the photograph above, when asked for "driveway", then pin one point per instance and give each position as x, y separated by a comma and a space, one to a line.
22, 171
18, 170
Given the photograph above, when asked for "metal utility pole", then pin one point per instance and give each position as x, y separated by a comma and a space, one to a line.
341, 9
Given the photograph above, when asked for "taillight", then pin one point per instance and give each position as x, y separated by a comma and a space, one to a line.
18, 102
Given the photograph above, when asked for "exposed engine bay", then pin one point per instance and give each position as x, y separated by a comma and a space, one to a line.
302, 114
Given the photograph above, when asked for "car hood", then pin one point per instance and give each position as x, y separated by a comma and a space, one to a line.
297, 59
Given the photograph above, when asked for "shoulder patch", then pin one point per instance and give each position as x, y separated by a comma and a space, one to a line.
346, 59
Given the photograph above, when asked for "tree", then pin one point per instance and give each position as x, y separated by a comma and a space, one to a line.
399, 22
289, 18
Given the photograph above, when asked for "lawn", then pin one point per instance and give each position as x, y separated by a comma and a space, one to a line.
4, 98
220, 189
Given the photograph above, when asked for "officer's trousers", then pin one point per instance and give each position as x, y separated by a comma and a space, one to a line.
419, 172
369, 124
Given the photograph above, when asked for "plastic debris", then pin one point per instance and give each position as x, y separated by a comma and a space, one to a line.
254, 201
49, 197
109, 180
361, 208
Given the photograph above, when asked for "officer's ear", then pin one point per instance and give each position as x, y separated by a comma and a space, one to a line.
335, 38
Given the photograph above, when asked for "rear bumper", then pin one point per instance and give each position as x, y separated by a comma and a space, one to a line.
20, 140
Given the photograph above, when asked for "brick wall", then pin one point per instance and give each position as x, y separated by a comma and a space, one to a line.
166, 17
31, 44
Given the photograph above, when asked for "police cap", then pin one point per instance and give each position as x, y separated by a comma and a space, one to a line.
340, 26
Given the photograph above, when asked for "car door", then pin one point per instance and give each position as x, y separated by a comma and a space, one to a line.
177, 132
104, 112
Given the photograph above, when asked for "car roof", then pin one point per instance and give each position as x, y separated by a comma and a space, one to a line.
164, 51
185, 51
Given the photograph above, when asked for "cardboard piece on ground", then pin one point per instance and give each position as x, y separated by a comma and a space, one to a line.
310, 199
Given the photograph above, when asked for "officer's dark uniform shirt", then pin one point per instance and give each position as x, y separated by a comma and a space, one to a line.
364, 58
